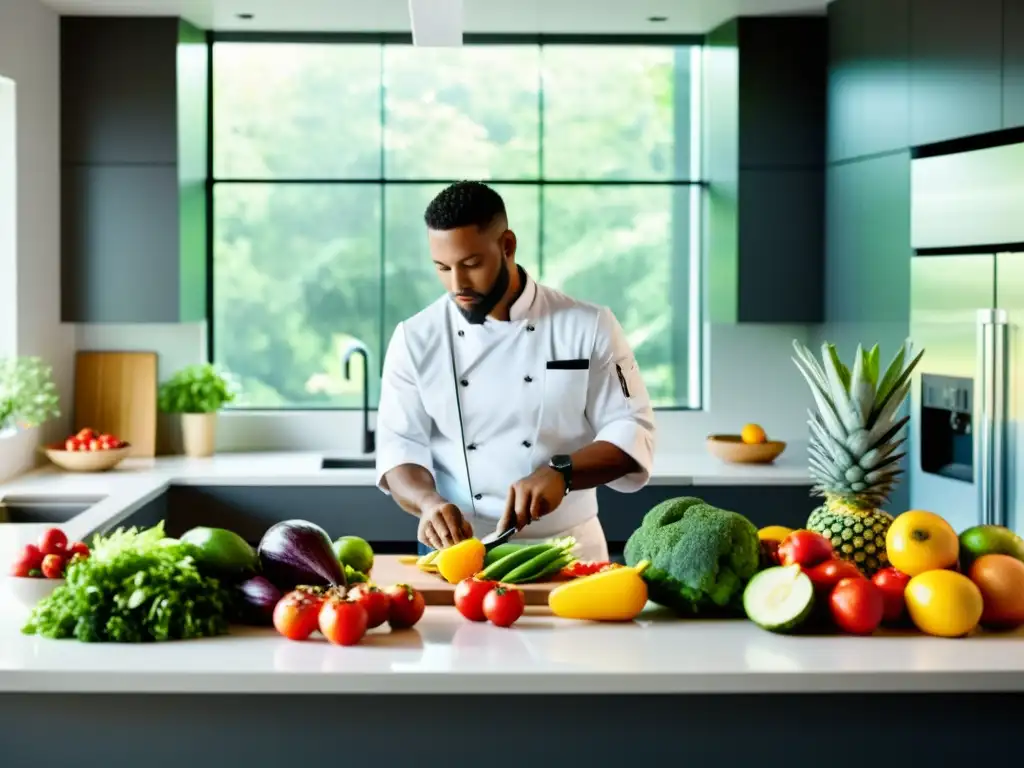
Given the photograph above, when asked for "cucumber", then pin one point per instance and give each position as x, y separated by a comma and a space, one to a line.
500, 551
554, 567
533, 567
779, 599
496, 571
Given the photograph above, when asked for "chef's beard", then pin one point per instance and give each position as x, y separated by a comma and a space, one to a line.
477, 313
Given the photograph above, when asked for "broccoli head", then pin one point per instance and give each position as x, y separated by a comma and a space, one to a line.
701, 557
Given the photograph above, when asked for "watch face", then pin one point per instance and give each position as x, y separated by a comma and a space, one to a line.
561, 462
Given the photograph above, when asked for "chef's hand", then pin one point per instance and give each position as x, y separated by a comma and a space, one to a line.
442, 525
532, 497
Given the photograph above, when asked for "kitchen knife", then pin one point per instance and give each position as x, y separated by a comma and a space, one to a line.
491, 540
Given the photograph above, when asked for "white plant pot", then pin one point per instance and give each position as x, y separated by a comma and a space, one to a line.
199, 433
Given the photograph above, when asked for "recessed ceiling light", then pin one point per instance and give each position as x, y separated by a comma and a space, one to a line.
245, 16
657, 19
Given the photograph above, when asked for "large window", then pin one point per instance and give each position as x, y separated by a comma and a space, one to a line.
326, 154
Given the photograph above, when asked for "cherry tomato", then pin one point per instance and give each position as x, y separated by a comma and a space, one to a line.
53, 566
469, 597
342, 620
804, 548
53, 542
23, 567
32, 555
407, 606
78, 548
857, 606
374, 601
85, 434
826, 575
503, 605
296, 614
892, 584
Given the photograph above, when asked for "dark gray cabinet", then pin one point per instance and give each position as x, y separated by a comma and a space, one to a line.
133, 156
956, 86
765, 90
867, 269
1013, 63
868, 78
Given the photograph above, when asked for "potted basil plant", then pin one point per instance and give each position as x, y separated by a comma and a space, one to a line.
197, 393
28, 396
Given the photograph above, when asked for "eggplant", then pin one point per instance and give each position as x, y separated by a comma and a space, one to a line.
298, 552
258, 598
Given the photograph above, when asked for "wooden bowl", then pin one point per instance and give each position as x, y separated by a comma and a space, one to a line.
88, 461
732, 449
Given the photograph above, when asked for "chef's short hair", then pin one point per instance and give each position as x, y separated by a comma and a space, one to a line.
464, 204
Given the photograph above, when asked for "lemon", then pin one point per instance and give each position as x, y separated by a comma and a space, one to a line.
944, 603
753, 433
774, 533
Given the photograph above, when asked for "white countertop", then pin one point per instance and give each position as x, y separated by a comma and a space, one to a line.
445, 653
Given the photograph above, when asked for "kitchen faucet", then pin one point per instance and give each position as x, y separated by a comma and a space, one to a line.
356, 348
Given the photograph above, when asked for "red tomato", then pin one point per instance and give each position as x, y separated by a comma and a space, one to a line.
826, 575
503, 605
342, 621
804, 548
53, 566
78, 548
469, 597
857, 606
374, 601
407, 606
769, 553
892, 584
32, 555
85, 434
296, 614
53, 542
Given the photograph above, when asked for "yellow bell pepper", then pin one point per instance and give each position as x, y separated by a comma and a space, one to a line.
460, 561
619, 594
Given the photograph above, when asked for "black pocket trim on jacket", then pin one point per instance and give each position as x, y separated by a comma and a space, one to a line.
569, 365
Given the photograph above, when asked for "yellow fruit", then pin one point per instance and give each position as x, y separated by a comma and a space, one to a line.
753, 433
774, 533
944, 603
618, 594
460, 561
920, 541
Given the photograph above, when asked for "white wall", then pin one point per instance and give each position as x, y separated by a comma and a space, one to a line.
751, 378
8, 218
30, 56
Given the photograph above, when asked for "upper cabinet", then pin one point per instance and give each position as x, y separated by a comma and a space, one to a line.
956, 69
868, 77
1013, 63
133, 154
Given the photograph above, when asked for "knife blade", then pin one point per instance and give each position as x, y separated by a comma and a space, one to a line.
491, 540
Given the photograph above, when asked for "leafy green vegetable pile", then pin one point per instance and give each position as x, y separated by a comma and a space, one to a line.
137, 586
701, 556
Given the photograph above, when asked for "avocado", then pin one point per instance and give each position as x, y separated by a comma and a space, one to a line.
989, 540
222, 550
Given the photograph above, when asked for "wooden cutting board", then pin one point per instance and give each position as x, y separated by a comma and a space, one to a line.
116, 392
389, 569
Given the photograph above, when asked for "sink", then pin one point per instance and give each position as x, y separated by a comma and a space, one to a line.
331, 462
44, 509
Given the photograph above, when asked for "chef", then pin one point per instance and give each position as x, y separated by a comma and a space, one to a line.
506, 403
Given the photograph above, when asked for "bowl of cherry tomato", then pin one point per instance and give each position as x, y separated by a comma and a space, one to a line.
88, 450
40, 568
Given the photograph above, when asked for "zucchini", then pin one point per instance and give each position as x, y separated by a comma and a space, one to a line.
779, 599
497, 570
500, 551
554, 567
529, 570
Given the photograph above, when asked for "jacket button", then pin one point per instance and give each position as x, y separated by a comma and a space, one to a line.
464, 383
478, 496
526, 443
471, 447
528, 379
462, 333
530, 328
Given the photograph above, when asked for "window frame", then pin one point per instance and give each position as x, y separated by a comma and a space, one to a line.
695, 188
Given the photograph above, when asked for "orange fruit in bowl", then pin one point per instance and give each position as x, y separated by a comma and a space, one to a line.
919, 541
752, 433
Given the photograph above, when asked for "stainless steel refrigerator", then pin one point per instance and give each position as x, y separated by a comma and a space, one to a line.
966, 452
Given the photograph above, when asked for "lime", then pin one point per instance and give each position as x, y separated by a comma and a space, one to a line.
354, 552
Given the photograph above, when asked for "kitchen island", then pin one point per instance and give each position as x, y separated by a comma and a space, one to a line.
543, 687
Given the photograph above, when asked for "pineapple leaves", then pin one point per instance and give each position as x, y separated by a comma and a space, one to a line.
871, 366
862, 390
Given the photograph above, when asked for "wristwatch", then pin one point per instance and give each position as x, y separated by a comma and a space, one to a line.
563, 463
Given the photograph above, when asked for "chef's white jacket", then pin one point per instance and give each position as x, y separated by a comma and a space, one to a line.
482, 406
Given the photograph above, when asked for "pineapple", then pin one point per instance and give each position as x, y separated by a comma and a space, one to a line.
853, 458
